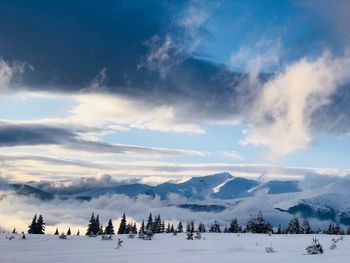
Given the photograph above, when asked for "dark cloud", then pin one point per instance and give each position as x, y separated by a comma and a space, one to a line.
34, 134
77, 46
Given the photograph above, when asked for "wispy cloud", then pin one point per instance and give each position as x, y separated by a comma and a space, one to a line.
282, 116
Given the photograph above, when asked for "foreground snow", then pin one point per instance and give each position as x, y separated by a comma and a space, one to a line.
167, 248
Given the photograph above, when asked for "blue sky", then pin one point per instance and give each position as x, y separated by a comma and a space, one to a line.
155, 84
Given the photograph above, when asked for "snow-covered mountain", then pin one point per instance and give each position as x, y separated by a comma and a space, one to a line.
215, 193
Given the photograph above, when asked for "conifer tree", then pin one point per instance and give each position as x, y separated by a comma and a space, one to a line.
215, 228
33, 226
78, 233
258, 224
180, 227
168, 228
142, 228
293, 226
188, 228
172, 229
156, 224
14, 231
69, 232
40, 226
109, 230
192, 227
201, 228
234, 226
134, 228
91, 226
97, 228
122, 227
149, 225
56, 232
306, 229
162, 227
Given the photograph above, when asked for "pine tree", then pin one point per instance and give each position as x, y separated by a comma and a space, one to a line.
69, 232
180, 227
78, 233
134, 228
56, 232
100, 230
97, 228
306, 229
258, 224
215, 228
168, 228
172, 229
331, 230
40, 226
33, 226
156, 224
14, 231
294, 226
162, 227
234, 226
109, 228
201, 228
188, 228
91, 226
122, 227
142, 228
149, 225
192, 227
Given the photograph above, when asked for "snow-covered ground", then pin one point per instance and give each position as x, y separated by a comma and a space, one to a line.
218, 248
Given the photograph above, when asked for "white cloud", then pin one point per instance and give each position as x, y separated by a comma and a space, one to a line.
282, 114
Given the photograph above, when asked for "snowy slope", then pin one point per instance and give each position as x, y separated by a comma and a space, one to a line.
222, 248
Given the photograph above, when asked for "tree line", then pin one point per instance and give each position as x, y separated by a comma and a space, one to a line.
257, 223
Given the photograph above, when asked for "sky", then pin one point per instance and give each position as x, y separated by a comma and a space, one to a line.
166, 90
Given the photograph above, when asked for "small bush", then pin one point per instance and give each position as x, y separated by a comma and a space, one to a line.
315, 247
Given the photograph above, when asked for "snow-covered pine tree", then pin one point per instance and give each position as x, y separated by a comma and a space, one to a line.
293, 226
32, 226
258, 224
234, 226
122, 227
314, 248
306, 229
91, 225
56, 232
69, 232
180, 227
172, 229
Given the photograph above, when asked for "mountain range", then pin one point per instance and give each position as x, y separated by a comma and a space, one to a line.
329, 200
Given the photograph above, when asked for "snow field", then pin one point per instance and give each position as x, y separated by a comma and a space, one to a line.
216, 248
